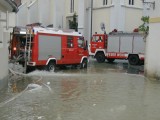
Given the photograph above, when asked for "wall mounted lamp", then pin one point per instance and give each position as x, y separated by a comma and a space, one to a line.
150, 3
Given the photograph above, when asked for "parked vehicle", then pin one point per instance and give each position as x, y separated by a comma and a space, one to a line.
118, 45
48, 47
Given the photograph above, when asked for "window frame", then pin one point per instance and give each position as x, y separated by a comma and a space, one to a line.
105, 2
131, 2
70, 43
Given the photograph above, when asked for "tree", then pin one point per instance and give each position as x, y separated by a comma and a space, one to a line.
144, 27
73, 23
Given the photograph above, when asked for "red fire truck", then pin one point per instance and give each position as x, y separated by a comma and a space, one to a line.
37, 46
118, 45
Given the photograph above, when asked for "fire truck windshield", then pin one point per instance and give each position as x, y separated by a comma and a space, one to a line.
97, 39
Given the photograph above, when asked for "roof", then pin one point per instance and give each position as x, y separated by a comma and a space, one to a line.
38, 29
10, 5
126, 33
55, 31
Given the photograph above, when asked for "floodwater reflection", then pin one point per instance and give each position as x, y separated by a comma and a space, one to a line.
101, 92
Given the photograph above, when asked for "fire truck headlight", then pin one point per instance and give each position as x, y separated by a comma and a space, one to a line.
14, 48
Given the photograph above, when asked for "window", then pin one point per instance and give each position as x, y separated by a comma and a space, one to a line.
131, 2
72, 6
69, 42
81, 42
105, 2
97, 39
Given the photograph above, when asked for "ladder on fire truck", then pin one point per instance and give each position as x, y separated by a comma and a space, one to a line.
28, 44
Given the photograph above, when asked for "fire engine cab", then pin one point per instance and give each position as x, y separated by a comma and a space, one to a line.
118, 45
37, 46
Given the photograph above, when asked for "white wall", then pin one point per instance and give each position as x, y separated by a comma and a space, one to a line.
99, 3
5, 38
117, 16
4, 58
33, 11
4, 53
82, 16
22, 15
132, 18
58, 13
101, 16
152, 64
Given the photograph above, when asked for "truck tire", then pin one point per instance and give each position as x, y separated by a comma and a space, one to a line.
51, 66
110, 60
100, 57
133, 60
29, 69
83, 64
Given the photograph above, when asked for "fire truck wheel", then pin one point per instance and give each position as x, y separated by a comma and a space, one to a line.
83, 64
133, 59
110, 60
100, 57
51, 66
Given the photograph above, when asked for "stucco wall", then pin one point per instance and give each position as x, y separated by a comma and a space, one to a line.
137, 3
152, 64
58, 13
3, 55
4, 37
33, 11
22, 16
99, 3
67, 12
101, 16
133, 18
68, 6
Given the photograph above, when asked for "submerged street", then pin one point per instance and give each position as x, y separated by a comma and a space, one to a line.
103, 91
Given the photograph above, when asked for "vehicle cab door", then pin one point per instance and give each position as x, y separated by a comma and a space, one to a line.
68, 50
81, 49
97, 42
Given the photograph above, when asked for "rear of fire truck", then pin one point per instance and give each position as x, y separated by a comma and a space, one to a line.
21, 44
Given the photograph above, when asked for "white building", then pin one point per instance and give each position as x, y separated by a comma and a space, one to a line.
124, 15
152, 65
7, 22
47, 12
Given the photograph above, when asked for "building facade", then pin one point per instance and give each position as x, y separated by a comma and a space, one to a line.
95, 15
7, 22
46, 12
123, 15
152, 65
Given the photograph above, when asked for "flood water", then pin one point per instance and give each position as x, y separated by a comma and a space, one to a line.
104, 91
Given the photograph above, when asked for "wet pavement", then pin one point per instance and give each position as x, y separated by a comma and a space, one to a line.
103, 91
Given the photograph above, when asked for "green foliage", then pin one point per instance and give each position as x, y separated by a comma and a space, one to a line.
144, 27
73, 23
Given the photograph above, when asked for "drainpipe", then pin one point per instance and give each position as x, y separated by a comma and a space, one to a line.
91, 16
7, 20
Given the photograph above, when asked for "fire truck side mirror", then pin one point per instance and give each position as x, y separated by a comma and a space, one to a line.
86, 45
